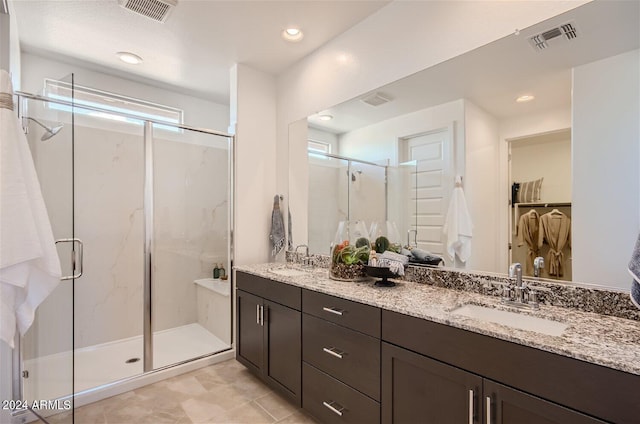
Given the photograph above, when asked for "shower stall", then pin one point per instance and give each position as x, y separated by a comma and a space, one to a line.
342, 189
141, 211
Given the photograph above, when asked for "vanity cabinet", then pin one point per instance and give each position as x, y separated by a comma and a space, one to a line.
523, 384
341, 359
347, 362
269, 338
417, 388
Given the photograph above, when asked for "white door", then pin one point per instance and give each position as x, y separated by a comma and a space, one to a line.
431, 187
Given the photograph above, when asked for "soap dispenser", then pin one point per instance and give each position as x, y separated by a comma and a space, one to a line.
216, 272
222, 272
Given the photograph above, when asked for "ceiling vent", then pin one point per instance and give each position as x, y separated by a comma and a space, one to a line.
376, 99
158, 10
565, 32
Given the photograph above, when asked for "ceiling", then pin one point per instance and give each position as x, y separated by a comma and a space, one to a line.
493, 76
195, 48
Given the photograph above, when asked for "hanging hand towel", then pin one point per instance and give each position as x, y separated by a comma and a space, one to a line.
458, 226
634, 270
277, 228
29, 263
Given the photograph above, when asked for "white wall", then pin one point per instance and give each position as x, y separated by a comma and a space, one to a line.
10, 46
544, 157
197, 112
606, 134
253, 113
481, 185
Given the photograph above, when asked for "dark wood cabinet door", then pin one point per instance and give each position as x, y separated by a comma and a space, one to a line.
504, 405
282, 349
417, 389
250, 330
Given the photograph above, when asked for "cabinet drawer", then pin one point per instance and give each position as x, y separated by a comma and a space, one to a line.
275, 291
349, 356
331, 401
363, 318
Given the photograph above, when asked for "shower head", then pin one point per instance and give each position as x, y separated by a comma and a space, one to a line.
49, 131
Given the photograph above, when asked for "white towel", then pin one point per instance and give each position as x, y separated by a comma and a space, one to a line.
29, 264
458, 228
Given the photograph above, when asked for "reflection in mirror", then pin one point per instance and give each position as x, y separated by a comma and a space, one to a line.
584, 88
553, 197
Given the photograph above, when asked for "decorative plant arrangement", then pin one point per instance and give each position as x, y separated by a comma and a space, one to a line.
350, 252
386, 237
353, 245
383, 244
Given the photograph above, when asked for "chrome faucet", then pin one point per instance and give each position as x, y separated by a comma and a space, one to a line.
306, 260
538, 265
515, 271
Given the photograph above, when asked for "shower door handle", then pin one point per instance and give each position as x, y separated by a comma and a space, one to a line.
76, 257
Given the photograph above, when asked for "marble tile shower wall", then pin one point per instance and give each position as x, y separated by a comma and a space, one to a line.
576, 296
190, 197
191, 221
325, 213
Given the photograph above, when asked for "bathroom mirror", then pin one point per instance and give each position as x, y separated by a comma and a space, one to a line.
585, 83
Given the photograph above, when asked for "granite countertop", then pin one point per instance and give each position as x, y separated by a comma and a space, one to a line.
600, 339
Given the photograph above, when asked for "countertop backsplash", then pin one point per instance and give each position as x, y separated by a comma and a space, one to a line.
578, 296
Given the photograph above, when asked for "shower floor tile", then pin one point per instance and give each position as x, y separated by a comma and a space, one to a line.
222, 393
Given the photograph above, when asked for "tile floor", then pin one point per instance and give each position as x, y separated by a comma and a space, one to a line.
221, 393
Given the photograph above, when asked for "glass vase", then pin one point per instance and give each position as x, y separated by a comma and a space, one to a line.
350, 252
384, 236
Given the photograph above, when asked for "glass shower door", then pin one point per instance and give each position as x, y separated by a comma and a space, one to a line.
191, 314
46, 350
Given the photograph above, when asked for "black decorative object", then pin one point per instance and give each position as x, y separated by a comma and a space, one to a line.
381, 272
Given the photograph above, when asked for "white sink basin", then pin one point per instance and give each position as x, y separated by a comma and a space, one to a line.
512, 319
288, 272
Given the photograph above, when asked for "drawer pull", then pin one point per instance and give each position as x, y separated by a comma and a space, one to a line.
488, 410
337, 411
332, 351
333, 310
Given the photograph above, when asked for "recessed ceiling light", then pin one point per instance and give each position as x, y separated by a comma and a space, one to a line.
525, 98
130, 58
325, 117
292, 34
